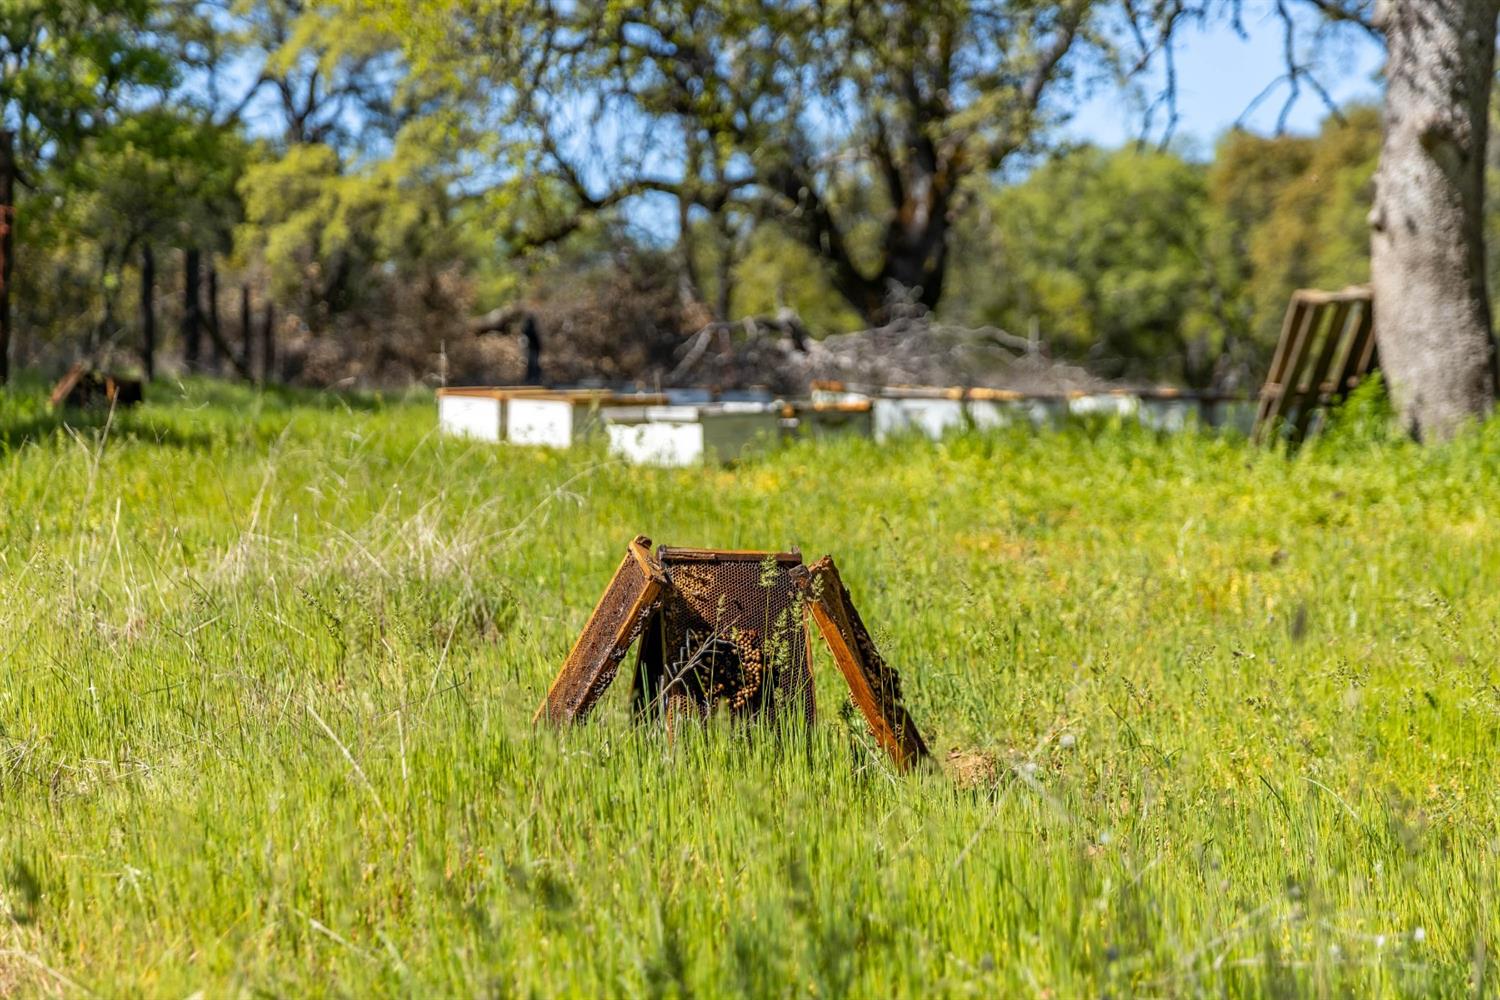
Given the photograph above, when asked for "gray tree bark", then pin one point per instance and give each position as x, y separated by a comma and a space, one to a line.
1432, 316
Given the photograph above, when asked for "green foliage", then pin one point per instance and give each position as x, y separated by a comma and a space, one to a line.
1365, 419
106, 168
1291, 213
851, 125
356, 194
405, 160
823, 156
775, 272
270, 662
297, 207
69, 64
1106, 252
1147, 264
330, 236
156, 178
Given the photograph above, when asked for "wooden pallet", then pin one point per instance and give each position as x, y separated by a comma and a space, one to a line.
1327, 347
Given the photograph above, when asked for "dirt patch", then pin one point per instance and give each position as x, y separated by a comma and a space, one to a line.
972, 769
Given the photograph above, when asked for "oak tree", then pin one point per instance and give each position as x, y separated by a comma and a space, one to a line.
66, 67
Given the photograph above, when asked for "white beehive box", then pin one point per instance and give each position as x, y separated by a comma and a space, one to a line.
1236, 415
1168, 410
477, 413
988, 409
830, 418
824, 391
929, 412
561, 418
526, 414
546, 421
1118, 404
691, 435
551, 421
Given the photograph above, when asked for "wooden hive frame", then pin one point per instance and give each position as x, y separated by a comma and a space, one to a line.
876, 687
633, 604
1327, 347
625, 608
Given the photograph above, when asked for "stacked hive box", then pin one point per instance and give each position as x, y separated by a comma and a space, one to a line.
558, 419
473, 411
528, 415
678, 428
853, 417
929, 412
689, 435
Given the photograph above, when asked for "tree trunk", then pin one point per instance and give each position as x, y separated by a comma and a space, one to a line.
7, 220
268, 345
1427, 265
215, 363
532, 335
192, 310
914, 257
148, 311
247, 328
694, 288
725, 289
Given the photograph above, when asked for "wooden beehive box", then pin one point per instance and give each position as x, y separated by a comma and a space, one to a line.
691, 435
807, 418
559, 418
987, 409
930, 412
476, 412
1169, 410
1116, 404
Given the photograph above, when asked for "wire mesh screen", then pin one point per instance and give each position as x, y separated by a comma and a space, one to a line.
730, 630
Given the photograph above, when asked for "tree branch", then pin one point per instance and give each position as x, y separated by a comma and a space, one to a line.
1340, 11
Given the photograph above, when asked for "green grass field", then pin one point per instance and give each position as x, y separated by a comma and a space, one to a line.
268, 663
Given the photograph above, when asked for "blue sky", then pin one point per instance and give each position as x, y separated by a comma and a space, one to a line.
1220, 74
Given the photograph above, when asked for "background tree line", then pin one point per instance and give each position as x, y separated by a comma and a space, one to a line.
331, 189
